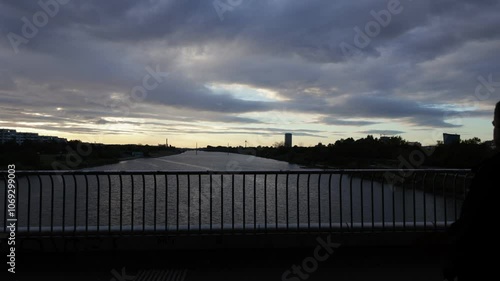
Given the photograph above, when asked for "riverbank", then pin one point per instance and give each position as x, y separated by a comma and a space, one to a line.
75, 155
91, 163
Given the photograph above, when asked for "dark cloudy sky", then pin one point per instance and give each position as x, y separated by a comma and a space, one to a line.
249, 70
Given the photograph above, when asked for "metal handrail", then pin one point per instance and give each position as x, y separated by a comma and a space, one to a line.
97, 203
246, 172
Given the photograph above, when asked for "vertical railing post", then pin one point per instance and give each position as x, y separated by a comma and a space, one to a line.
298, 203
265, 203
330, 200
244, 204
211, 202
199, 202
340, 202
109, 203
393, 191
232, 207
362, 204
222, 203
143, 203
287, 207
383, 203
372, 203
166, 202
86, 204
350, 200
51, 205
434, 196
403, 186
63, 204
319, 202
309, 202
133, 204
444, 201
424, 200
121, 203
98, 203
255, 202
74, 204
276, 200
29, 203
154, 201
455, 215
177, 203
189, 202
414, 203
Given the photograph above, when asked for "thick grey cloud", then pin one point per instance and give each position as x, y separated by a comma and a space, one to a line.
6, 82
330, 120
262, 132
377, 106
383, 132
421, 70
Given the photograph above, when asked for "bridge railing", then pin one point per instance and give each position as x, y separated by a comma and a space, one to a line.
108, 203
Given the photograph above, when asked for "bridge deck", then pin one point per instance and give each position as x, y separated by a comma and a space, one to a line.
347, 263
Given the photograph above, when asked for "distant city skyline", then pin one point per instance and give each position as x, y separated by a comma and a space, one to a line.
7, 135
142, 71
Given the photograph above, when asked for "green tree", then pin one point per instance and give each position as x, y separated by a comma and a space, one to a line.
474, 140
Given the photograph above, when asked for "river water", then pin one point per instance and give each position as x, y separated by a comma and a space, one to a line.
215, 201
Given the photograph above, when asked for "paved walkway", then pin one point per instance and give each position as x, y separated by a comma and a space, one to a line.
363, 263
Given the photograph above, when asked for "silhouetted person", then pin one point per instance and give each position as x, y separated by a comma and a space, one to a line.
474, 240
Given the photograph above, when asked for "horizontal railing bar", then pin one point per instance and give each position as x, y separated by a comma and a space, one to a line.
262, 227
280, 172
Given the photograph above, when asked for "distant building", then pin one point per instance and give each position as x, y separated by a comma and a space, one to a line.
490, 144
385, 139
22, 137
7, 135
288, 140
11, 135
451, 138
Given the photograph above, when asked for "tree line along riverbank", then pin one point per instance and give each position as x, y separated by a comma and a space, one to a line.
74, 154
370, 153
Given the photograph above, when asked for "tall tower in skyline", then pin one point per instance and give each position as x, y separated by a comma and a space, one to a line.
451, 138
288, 140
